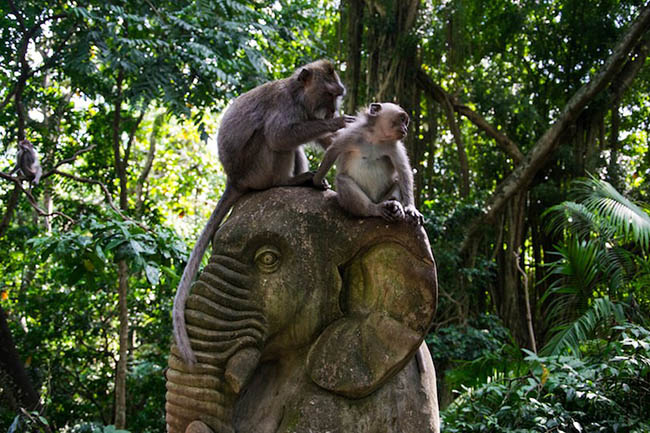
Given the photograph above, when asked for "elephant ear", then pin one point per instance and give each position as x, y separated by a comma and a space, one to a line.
389, 300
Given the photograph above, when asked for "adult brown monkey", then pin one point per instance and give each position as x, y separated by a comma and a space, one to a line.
260, 146
374, 175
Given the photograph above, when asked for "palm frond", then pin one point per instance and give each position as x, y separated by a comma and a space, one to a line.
577, 268
625, 218
618, 268
571, 216
569, 337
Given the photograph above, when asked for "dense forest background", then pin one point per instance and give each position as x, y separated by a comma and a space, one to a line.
529, 143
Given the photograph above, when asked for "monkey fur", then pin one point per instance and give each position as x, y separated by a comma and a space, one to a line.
260, 146
27, 163
374, 175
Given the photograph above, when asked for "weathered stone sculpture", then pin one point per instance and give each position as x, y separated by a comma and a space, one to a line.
308, 320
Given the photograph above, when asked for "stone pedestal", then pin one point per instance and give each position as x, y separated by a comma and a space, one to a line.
308, 320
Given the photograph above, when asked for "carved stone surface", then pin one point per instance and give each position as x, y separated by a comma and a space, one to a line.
308, 320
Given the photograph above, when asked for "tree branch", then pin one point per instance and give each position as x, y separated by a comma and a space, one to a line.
543, 148
148, 163
106, 192
624, 80
68, 160
19, 17
32, 200
134, 129
441, 96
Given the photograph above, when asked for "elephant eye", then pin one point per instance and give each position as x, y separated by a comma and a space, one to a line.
267, 259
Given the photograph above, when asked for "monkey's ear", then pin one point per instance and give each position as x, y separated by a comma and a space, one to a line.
375, 108
305, 75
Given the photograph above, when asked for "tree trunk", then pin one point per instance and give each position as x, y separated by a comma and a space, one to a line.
123, 270
613, 169
460, 148
13, 377
353, 62
120, 165
121, 370
12, 202
47, 205
510, 302
429, 140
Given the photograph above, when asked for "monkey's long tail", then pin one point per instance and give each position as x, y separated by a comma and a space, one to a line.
229, 197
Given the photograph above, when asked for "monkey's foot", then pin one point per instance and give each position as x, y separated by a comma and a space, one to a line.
302, 179
413, 215
391, 210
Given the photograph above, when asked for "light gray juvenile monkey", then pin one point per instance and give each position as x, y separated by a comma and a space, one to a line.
260, 146
374, 175
27, 164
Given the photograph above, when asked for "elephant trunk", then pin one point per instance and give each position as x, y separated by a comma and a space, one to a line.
226, 331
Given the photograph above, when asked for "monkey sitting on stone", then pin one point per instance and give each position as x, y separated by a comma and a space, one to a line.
374, 175
27, 164
260, 146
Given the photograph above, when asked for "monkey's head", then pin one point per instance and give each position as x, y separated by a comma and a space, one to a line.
25, 145
388, 121
322, 90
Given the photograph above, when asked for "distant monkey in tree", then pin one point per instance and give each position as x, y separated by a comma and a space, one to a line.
374, 175
27, 163
260, 146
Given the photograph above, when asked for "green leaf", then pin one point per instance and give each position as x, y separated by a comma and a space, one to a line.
114, 243
152, 272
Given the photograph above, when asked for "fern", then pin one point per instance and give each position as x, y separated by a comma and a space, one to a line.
569, 337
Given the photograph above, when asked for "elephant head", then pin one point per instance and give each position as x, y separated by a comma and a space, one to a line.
294, 284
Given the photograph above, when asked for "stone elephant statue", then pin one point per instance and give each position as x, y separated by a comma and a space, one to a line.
308, 320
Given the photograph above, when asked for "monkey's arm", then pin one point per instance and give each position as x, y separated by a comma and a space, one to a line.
282, 136
405, 174
329, 158
405, 183
326, 141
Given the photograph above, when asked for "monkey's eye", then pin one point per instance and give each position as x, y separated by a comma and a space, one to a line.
404, 119
268, 259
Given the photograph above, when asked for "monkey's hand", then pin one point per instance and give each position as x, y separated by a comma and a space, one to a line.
391, 210
341, 122
321, 184
413, 215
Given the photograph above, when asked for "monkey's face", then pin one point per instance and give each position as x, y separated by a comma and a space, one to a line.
400, 123
391, 121
323, 90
